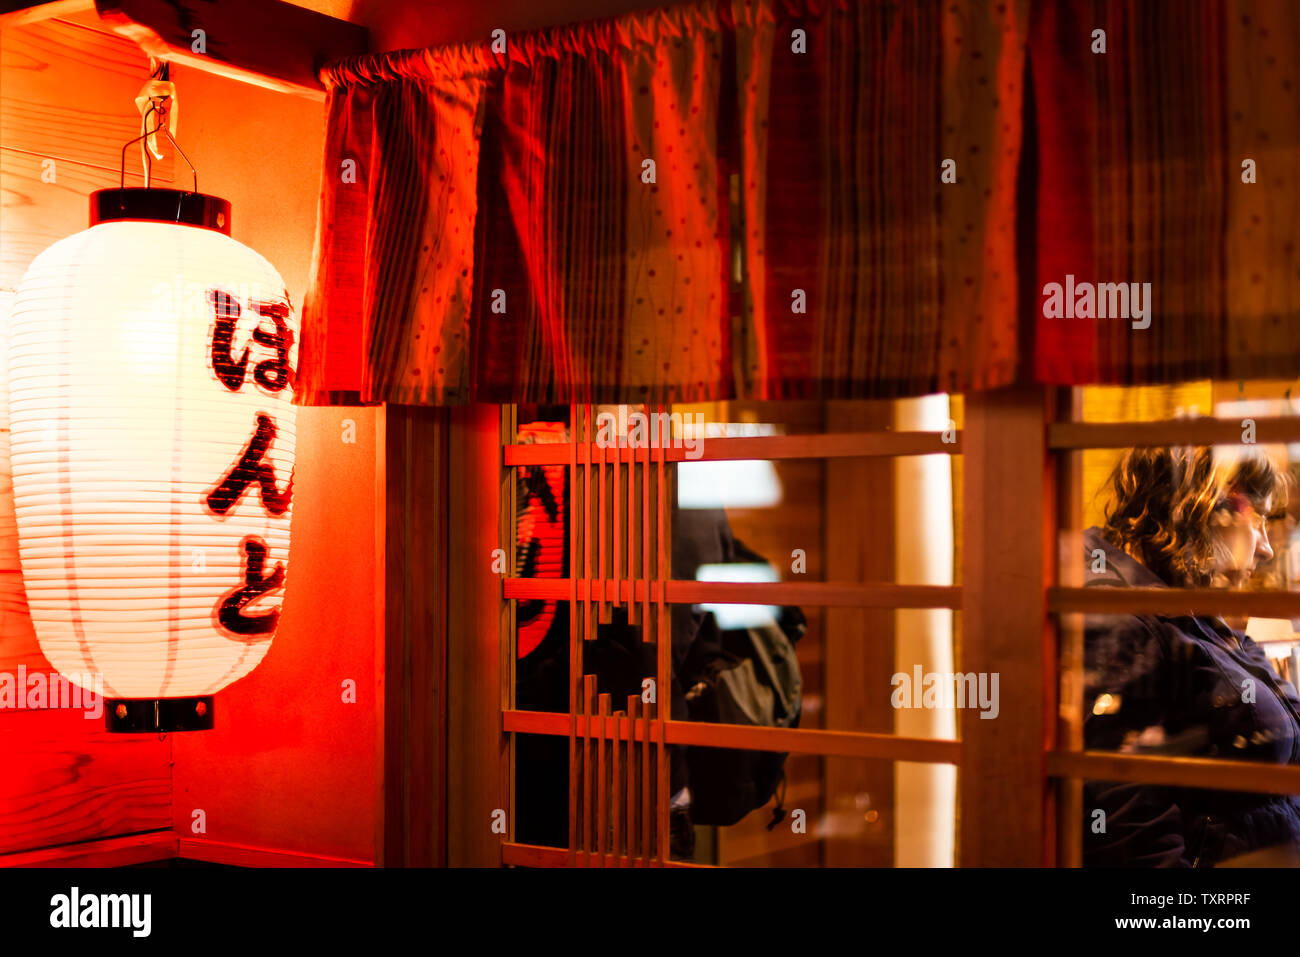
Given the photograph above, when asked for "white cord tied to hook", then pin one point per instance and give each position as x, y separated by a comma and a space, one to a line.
156, 96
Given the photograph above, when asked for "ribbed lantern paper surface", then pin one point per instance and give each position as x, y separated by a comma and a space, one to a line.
150, 370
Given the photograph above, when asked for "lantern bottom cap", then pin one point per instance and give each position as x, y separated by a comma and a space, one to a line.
160, 715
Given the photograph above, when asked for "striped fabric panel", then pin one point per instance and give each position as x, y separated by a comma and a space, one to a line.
505, 239
600, 279
1262, 48
386, 316
1142, 153
330, 357
869, 277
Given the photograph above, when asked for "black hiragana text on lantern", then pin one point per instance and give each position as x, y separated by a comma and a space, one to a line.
230, 612
249, 469
229, 370
274, 374
271, 374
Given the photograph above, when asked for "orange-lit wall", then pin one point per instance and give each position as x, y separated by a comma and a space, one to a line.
290, 767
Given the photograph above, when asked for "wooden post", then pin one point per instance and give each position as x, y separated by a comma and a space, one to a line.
1069, 724
415, 637
1007, 815
859, 642
478, 757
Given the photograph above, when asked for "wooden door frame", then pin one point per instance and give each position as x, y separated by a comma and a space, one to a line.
446, 764
1009, 531
444, 668
411, 816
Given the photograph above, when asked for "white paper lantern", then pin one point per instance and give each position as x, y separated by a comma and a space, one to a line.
150, 368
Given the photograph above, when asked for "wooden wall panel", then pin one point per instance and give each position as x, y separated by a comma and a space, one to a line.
66, 780
478, 774
414, 768
290, 765
66, 94
69, 93
290, 768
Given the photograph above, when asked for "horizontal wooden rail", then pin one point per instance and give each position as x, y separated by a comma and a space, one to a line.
247, 855
813, 594
1203, 430
142, 848
821, 446
1253, 776
537, 855
1174, 601
845, 744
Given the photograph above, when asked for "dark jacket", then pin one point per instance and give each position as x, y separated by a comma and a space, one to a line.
1187, 685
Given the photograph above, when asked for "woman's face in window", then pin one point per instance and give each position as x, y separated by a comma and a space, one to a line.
1241, 539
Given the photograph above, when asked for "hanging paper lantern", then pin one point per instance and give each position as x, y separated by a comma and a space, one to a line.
150, 378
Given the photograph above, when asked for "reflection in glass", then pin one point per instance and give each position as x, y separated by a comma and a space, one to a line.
1193, 685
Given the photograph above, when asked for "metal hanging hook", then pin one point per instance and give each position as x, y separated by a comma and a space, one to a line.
157, 105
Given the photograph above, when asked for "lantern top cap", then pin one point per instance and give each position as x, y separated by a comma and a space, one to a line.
160, 206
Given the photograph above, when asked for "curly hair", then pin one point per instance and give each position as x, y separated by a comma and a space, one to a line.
1168, 501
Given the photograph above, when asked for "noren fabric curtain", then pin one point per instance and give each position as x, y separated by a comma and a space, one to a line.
603, 268
760, 198
387, 315
881, 145
1167, 155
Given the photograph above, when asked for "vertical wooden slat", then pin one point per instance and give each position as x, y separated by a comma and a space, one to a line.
602, 531
647, 490
385, 804
589, 763
646, 805
1071, 816
575, 644
509, 644
632, 616
659, 569
478, 755
1009, 548
602, 792
664, 682
593, 530
616, 515
616, 791
633, 701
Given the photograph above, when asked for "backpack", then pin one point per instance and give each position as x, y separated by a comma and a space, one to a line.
746, 676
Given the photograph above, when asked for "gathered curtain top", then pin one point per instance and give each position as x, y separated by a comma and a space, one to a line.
786, 199
643, 28
649, 28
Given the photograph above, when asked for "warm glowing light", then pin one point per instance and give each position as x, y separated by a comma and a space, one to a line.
1106, 704
731, 617
745, 483
149, 385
